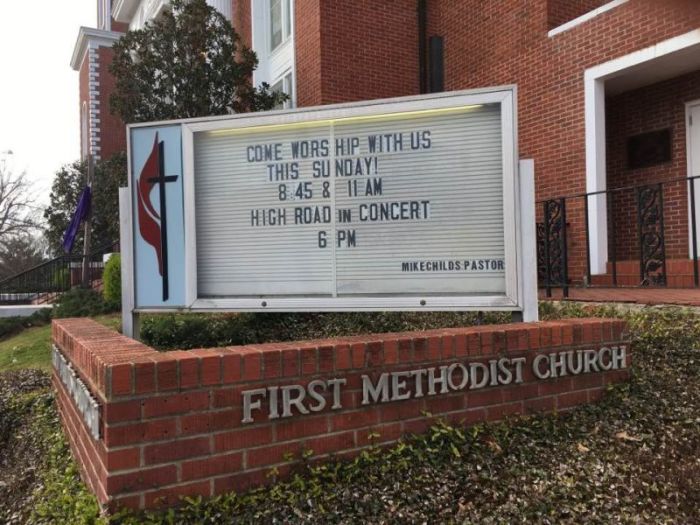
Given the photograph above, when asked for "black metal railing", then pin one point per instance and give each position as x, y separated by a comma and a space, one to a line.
642, 234
45, 282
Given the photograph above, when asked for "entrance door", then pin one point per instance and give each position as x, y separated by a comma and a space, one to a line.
693, 123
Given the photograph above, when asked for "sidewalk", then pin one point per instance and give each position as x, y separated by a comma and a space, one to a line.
650, 296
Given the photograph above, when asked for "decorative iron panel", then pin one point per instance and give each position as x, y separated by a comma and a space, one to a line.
652, 245
555, 258
541, 254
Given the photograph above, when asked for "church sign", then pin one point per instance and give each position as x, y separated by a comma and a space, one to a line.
410, 203
298, 399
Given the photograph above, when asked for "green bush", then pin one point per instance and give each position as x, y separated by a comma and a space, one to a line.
197, 330
61, 279
186, 331
112, 279
80, 302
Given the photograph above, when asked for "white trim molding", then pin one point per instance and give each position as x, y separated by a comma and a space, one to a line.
596, 172
692, 163
89, 37
104, 15
94, 100
87, 47
586, 17
273, 65
527, 249
123, 10
137, 12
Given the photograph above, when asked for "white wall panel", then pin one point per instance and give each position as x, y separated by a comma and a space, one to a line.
455, 185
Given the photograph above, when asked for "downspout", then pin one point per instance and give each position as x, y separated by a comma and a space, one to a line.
422, 46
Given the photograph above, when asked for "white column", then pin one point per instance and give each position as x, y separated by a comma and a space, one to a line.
222, 6
129, 318
528, 235
596, 177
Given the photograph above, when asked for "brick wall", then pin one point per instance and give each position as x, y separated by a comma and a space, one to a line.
360, 50
112, 129
171, 423
507, 43
307, 51
242, 22
651, 108
369, 50
561, 11
348, 51
119, 27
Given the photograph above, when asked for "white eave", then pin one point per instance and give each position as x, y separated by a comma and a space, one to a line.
88, 36
123, 10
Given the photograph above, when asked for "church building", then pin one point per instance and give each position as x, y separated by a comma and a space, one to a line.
608, 103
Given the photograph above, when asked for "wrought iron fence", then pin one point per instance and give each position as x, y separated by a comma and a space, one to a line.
553, 255
44, 282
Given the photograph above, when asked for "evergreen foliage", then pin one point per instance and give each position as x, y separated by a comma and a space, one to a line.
112, 279
80, 302
189, 62
184, 331
69, 181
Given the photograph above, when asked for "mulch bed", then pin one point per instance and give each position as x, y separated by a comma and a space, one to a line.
22, 444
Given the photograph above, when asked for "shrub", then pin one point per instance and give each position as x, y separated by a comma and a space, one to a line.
79, 302
12, 325
60, 279
197, 330
185, 331
112, 279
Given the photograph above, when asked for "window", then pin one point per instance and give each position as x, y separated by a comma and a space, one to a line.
272, 39
288, 17
280, 22
285, 85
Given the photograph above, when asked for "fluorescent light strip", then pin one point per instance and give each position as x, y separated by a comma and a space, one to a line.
385, 116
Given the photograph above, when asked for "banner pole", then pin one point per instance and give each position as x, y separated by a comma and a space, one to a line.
88, 227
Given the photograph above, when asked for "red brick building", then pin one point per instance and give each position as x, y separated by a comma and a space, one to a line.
607, 95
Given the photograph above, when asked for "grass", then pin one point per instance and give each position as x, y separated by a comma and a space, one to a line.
31, 347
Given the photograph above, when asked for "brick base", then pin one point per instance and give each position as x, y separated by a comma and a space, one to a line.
679, 274
174, 424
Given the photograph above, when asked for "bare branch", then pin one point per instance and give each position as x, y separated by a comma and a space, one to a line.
17, 210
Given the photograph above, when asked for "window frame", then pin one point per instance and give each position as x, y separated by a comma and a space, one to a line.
285, 23
287, 81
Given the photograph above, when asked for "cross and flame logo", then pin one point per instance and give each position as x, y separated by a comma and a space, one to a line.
153, 225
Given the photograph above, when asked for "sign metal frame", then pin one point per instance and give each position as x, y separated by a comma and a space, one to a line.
518, 214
